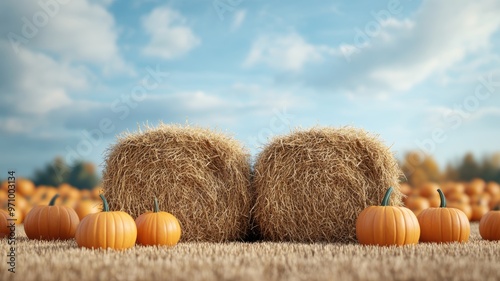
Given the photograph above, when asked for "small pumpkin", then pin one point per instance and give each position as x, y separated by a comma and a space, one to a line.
493, 189
478, 211
43, 195
434, 202
387, 225
476, 186
87, 207
4, 223
458, 197
158, 228
428, 190
405, 188
489, 226
443, 224
51, 222
25, 187
454, 187
106, 229
417, 204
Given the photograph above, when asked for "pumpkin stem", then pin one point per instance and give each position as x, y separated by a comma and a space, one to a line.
105, 206
497, 208
53, 200
385, 201
443, 199
156, 210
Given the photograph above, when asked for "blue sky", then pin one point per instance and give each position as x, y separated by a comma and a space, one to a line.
75, 73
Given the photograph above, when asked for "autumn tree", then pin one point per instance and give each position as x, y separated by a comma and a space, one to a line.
81, 174
420, 168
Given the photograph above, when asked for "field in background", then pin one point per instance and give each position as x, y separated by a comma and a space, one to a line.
58, 260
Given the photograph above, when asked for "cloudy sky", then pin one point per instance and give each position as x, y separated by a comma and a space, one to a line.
75, 73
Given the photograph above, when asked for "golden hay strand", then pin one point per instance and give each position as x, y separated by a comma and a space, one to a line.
200, 176
311, 185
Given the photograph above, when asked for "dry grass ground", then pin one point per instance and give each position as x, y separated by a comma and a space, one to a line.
476, 260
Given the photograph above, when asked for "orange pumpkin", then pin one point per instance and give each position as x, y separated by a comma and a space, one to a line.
465, 208
4, 224
387, 225
458, 197
115, 230
417, 203
43, 195
489, 226
494, 201
4, 195
434, 202
405, 188
428, 190
443, 224
85, 194
51, 222
5, 186
18, 217
25, 187
476, 186
96, 192
87, 207
493, 189
453, 187
478, 211
68, 192
158, 228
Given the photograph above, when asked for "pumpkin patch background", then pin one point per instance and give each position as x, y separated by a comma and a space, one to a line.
421, 77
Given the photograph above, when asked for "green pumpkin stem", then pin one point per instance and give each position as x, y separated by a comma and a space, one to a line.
156, 210
105, 206
443, 199
53, 200
387, 195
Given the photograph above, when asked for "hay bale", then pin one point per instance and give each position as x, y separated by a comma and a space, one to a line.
200, 176
311, 185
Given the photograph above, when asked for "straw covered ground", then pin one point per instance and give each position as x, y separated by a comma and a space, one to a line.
36, 260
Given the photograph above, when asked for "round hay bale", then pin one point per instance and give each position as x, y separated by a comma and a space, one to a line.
311, 185
200, 176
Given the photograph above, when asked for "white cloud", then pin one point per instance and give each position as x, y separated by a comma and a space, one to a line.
170, 35
239, 18
41, 84
290, 52
405, 52
81, 31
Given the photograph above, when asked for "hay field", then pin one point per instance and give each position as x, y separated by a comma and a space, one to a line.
476, 260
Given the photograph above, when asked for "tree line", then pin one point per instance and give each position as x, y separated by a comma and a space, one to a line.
419, 168
81, 174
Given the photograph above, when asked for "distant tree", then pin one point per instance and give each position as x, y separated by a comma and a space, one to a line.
451, 173
488, 170
52, 174
420, 168
469, 168
81, 174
